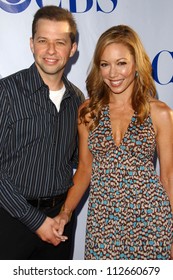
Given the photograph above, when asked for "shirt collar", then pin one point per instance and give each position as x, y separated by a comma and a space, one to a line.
35, 81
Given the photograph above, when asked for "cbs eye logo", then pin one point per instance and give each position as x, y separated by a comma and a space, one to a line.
14, 6
75, 6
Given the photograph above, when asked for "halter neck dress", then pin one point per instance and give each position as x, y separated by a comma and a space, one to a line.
129, 214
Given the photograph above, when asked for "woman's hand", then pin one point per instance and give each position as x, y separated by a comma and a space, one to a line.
61, 219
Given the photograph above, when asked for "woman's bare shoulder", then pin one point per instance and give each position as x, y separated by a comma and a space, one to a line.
159, 106
160, 111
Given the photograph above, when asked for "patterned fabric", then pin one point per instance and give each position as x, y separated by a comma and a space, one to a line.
129, 214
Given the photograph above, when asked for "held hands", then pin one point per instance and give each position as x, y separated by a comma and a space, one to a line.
62, 219
51, 231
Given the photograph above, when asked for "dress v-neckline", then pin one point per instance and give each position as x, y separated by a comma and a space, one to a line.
126, 132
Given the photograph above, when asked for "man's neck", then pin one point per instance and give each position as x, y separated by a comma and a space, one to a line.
53, 81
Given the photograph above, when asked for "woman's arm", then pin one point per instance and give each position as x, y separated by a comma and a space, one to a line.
81, 178
162, 117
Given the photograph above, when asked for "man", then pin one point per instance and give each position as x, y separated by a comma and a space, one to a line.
38, 143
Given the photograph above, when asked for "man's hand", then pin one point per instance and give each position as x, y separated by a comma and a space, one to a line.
49, 232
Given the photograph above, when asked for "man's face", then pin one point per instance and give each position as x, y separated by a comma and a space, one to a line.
51, 46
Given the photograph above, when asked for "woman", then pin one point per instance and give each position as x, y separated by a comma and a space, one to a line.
120, 126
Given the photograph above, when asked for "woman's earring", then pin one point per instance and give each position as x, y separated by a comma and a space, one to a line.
136, 74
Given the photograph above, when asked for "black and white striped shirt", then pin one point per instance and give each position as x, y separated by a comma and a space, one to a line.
38, 144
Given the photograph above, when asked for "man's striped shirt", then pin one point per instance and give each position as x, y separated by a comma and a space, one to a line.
38, 144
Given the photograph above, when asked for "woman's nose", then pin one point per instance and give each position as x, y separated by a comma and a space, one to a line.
112, 71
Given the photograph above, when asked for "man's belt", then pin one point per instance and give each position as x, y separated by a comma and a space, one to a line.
47, 202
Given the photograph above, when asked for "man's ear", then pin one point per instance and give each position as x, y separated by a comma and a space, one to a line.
31, 45
73, 49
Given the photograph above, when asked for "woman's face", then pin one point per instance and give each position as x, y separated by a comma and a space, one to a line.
117, 68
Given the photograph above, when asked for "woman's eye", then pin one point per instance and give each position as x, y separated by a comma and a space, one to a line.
122, 63
103, 64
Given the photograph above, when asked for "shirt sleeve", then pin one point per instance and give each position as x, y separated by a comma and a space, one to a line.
75, 156
10, 198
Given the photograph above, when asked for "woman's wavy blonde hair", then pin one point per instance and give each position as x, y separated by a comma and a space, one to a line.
98, 91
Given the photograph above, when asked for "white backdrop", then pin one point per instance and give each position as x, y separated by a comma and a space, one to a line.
152, 19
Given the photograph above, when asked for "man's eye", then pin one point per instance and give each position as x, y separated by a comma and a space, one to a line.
60, 43
42, 41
